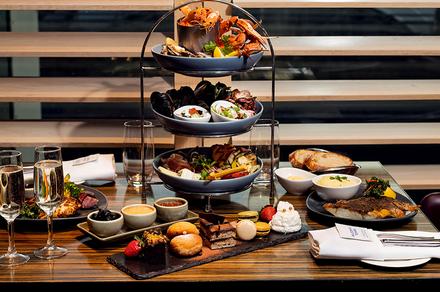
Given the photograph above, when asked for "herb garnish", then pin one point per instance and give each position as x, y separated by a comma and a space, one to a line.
376, 187
209, 47
339, 178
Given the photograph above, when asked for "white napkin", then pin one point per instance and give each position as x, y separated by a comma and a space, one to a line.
327, 244
93, 167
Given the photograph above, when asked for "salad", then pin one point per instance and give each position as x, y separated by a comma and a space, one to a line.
224, 162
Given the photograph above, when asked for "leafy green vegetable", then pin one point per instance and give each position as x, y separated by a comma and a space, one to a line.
209, 47
73, 189
203, 164
376, 187
227, 48
30, 211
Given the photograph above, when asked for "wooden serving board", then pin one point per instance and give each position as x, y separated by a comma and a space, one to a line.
160, 264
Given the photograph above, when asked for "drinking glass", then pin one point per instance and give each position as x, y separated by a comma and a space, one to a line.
260, 144
11, 201
131, 155
49, 193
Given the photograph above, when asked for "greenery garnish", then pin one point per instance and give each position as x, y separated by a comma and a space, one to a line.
376, 187
209, 47
339, 178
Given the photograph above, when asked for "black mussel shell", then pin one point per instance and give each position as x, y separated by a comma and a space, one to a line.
162, 103
205, 94
222, 91
187, 95
175, 97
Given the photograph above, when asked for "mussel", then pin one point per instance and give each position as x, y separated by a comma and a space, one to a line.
162, 103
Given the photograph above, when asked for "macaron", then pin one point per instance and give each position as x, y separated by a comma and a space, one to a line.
263, 228
246, 230
248, 215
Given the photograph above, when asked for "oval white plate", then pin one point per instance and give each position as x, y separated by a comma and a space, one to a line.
397, 264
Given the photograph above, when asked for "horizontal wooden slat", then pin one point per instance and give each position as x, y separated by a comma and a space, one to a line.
355, 134
75, 44
85, 5
128, 44
338, 3
416, 177
70, 134
127, 89
78, 89
110, 134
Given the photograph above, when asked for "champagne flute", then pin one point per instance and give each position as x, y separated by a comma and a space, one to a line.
11, 201
49, 192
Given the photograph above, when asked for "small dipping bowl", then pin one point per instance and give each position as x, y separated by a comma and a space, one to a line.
171, 208
217, 117
296, 181
331, 193
138, 216
105, 228
204, 119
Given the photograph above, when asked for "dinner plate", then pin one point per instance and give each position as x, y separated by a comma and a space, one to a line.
315, 204
211, 129
397, 263
125, 233
205, 67
80, 216
199, 187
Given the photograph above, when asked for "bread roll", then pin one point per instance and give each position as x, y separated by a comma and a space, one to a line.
323, 160
181, 228
298, 158
186, 245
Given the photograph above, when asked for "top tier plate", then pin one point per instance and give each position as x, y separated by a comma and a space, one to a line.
205, 67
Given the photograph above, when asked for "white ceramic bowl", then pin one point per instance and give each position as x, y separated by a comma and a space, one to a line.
330, 193
298, 186
216, 117
178, 114
105, 228
171, 213
137, 221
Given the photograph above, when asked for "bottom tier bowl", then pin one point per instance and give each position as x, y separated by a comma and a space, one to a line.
207, 187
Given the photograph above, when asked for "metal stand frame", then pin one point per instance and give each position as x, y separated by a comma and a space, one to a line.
143, 68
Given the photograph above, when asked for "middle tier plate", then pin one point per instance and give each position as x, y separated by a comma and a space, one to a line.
209, 129
207, 187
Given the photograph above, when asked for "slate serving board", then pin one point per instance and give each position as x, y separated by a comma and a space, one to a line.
155, 265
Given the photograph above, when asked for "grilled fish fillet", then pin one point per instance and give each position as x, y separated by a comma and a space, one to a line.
369, 208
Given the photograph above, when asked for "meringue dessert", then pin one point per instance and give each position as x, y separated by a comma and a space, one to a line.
286, 219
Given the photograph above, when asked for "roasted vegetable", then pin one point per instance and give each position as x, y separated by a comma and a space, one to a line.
376, 187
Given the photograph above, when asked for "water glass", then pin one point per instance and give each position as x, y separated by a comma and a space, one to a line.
49, 193
131, 155
11, 201
260, 144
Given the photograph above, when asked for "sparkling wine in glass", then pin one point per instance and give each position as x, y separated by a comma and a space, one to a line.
49, 192
11, 201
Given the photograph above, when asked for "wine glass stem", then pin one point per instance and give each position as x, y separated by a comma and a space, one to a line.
50, 230
11, 236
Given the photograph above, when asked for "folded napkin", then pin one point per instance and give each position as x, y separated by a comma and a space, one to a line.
93, 167
328, 244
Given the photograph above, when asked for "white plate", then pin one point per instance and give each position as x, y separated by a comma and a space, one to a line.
398, 263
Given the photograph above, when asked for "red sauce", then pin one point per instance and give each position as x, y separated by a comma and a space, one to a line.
173, 203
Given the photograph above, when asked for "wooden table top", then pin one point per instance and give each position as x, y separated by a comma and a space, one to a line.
86, 261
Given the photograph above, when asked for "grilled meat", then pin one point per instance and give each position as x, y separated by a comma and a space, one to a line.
369, 208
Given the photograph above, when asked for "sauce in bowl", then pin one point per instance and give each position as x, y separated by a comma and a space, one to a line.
138, 210
336, 181
171, 203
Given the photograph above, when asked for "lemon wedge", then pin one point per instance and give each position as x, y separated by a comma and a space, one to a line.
233, 54
218, 53
389, 193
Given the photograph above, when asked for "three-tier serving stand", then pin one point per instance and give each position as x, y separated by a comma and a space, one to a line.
203, 74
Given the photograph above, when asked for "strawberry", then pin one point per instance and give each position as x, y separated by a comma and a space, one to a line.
133, 248
267, 213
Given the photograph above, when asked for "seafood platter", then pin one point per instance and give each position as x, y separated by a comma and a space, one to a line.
208, 110
210, 46
183, 245
215, 170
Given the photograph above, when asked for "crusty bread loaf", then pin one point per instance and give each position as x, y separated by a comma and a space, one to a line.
186, 245
181, 228
323, 160
299, 157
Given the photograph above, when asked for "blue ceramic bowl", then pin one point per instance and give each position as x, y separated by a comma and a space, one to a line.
205, 67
